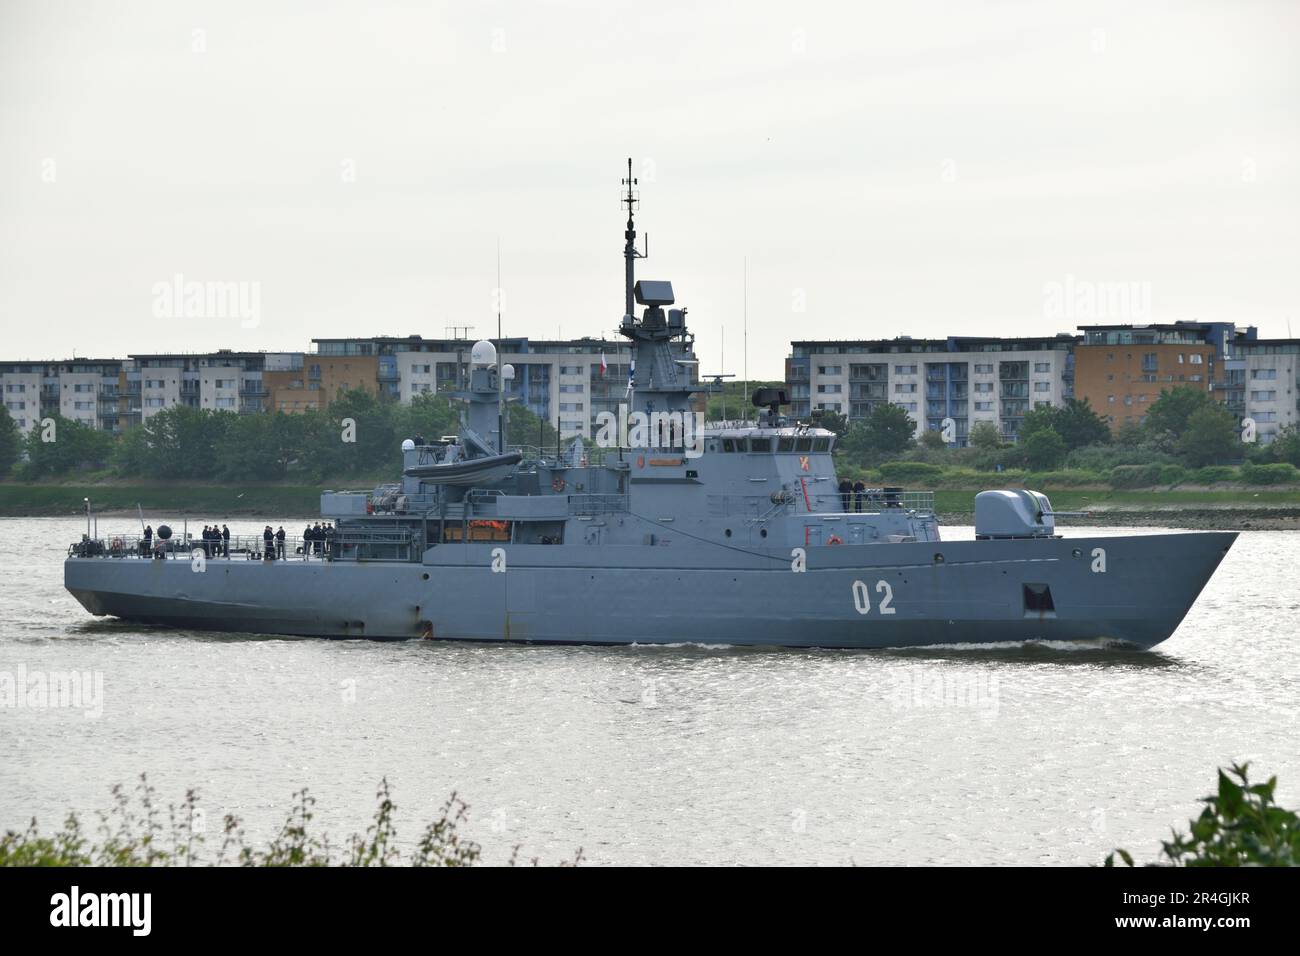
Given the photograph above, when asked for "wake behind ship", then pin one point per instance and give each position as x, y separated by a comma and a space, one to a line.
666, 532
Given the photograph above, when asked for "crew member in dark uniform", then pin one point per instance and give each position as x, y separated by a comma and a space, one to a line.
279, 543
859, 492
846, 490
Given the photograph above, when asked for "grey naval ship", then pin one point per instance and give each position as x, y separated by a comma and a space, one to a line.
732, 533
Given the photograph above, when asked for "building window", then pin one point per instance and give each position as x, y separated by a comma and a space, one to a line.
1042, 386
904, 369
1264, 373
984, 369
1263, 396
983, 406
983, 386
835, 389
578, 389
1042, 366
1196, 359
904, 388
1110, 399
829, 369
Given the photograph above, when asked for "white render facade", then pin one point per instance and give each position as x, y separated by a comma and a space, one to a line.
1266, 374
967, 380
20, 387
560, 381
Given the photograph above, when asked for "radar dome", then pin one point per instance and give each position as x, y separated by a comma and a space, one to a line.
508, 373
408, 445
483, 353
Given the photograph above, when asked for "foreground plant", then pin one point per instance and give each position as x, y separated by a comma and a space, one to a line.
133, 833
1240, 826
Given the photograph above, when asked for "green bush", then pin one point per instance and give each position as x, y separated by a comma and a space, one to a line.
146, 835
1135, 476
909, 471
1275, 474
1172, 474
1241, 825
1101, 457
1063, 479
1213, 474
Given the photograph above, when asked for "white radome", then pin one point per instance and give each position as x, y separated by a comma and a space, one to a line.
408, 445
483, 353
508, 373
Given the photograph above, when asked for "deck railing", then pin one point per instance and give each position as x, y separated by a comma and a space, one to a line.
345, 543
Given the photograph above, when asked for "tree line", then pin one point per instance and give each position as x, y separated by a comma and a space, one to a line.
358, 434
1185, 426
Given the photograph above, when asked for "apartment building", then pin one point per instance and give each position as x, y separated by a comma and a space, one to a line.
966, 379
560, 381
84, 390
221, 381
1122, 369
21, 385
1261, 382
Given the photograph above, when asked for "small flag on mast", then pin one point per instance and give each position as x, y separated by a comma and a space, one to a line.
631, 376
603, 366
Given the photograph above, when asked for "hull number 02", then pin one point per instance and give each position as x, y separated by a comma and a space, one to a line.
862, 597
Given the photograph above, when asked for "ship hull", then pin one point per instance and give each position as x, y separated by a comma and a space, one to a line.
1131, 589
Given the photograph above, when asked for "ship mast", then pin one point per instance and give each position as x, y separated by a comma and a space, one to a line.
630, 255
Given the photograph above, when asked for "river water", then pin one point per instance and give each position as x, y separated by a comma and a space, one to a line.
1013, 754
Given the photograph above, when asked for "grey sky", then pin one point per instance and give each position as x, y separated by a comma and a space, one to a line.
888, 169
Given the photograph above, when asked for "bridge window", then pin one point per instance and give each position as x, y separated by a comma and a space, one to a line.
785, 444
821, 444
760, 445
803, 444
728, 444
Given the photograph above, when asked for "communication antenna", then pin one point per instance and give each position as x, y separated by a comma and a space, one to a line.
718, 376
501, 365
744, 358
630, 253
